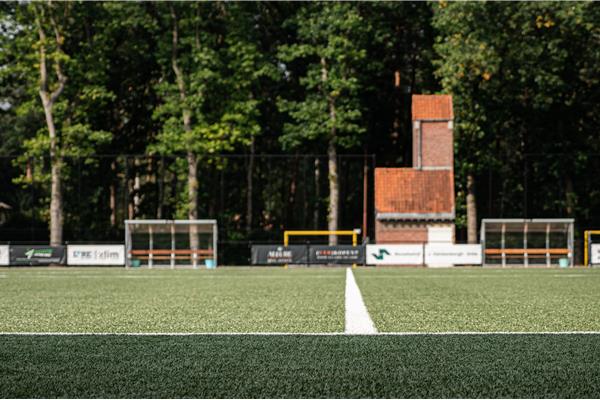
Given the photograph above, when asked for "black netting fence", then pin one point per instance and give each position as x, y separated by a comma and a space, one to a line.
254, 198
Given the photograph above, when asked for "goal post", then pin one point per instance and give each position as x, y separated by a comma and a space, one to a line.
354, 233
590, 256
171, 243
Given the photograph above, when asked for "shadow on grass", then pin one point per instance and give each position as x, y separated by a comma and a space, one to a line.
300, 366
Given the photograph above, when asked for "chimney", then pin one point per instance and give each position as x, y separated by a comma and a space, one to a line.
433, 145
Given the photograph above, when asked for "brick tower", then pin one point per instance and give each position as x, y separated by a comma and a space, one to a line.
416, 205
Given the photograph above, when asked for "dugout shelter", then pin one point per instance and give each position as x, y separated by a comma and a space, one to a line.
171, 243
527, 242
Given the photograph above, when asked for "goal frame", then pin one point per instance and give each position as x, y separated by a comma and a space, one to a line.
354, 233
173, 251
587, 245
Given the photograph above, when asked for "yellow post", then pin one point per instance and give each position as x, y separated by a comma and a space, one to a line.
586, 245
585, 248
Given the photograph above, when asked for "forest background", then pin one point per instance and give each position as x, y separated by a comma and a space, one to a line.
268, 115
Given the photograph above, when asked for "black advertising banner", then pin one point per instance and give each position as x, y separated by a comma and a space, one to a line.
344, 254
37, 255
273, 255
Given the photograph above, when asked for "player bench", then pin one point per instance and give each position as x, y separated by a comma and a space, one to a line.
526, 254
171, 242
172, 255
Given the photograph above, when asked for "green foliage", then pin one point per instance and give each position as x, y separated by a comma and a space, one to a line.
523, 76
221, 69
85, 92
330, 42
520, 79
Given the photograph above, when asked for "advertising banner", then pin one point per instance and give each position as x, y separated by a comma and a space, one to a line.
37, 255
595, 253
4, 257
453, 254
92, 254
273, 255
343, 254
395, 254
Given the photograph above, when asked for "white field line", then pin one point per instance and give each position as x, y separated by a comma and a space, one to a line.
358, 320
504, 333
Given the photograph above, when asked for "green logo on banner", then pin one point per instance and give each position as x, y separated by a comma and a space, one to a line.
382, 252
38, 253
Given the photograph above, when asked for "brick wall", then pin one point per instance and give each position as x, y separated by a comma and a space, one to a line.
437, 145
399, 232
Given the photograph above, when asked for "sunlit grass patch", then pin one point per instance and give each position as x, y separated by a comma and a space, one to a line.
481, 300
222, 300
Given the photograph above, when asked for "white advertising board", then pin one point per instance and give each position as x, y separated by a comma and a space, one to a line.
95, 254
440, 234
453, 254
395, 254
595, 253
4, 255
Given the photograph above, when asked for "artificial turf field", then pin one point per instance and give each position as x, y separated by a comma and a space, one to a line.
220, 351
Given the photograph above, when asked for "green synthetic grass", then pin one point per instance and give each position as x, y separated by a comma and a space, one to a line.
221, 300
492, 366
481, 300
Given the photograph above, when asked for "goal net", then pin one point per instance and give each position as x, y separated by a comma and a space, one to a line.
171, 243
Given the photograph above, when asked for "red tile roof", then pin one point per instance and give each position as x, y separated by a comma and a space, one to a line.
411, 191
436, 106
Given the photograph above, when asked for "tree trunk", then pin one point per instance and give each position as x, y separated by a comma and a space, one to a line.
113, 196
396, 124
316, 214
137, 187
161, 188
570, 198
48, 99
471, 210
187, 127
130, 191
249, 191
56, 207
334, 194
291, 200
332, 219
193, 197
56, 212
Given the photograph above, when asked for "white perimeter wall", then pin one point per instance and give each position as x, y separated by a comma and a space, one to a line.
433, 255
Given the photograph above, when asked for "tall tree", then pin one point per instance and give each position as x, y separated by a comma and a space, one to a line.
48, 50
519, 74
208, 103
52, 51
330, 41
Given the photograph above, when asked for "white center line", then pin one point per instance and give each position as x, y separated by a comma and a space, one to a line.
358, 320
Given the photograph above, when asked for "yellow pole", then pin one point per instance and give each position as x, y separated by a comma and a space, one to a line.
286, 240
354, 244
585, 248
586, 241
